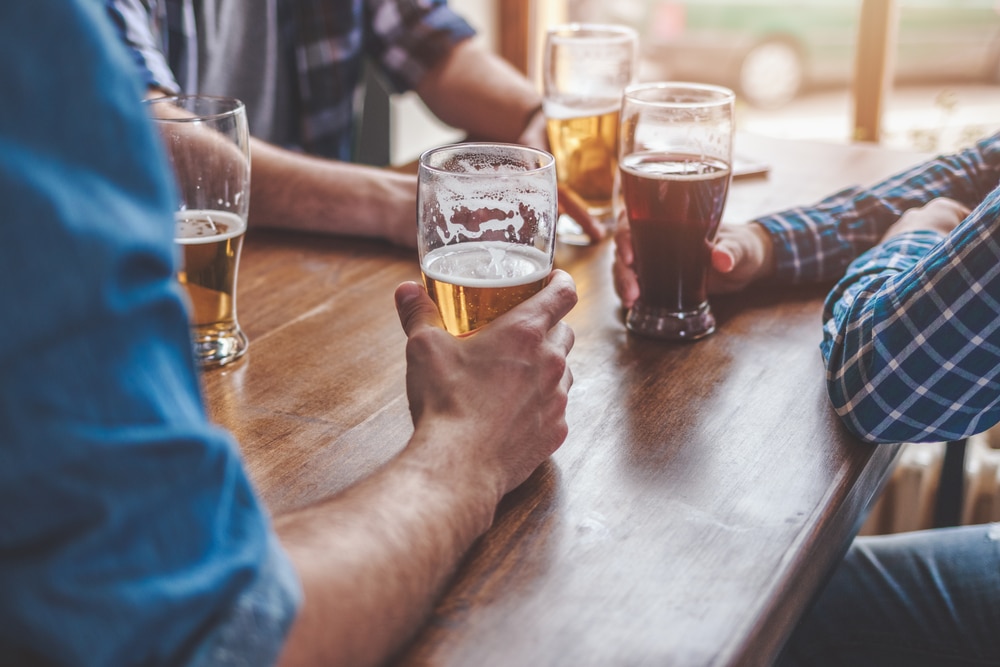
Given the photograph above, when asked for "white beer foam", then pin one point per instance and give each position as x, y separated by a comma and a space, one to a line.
680, 170
582, 107
486, 264
198, 226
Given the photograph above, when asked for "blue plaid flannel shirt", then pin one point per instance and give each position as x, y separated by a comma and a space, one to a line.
332, 38
911, 334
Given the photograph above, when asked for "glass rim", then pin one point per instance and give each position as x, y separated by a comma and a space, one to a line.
722, 95
547, 160
228, 106
612, 32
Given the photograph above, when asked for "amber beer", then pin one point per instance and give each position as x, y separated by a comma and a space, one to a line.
210, 242
474, 283
586, 152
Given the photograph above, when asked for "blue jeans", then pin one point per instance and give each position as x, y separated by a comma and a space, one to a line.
929, 598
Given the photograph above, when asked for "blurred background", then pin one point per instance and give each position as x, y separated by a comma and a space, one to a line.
791, 63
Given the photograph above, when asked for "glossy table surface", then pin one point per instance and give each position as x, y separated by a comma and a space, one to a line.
704, 492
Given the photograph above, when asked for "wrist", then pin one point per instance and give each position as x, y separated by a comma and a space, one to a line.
764, 249
445, 454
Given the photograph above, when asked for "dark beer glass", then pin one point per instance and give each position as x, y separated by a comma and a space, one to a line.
675, 158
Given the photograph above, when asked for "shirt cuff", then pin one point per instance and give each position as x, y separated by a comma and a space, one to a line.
898, 253
254, 631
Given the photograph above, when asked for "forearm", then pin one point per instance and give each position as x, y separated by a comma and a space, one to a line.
371, 575
477, 91
817, 243
294, 191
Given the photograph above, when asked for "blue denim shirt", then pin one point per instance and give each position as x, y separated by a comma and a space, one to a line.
129, 532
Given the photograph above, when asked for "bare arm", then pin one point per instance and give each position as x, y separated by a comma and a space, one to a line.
471, 89
373, 559
290, 190
479, 92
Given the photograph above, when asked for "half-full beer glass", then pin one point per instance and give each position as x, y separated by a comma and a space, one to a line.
486, 216
586, 68
676, 153
209, 148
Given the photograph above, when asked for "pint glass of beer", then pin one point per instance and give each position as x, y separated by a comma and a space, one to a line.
486, 216
209, 148
586, 68
676, 154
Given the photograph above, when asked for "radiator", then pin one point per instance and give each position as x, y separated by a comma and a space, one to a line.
907, 502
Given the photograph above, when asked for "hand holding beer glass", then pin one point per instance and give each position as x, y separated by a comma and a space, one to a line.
208, 144
675, 161
586, 69
486, 216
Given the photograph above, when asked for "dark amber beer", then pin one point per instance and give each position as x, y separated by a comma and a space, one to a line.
474, 283
675, 164
674, 205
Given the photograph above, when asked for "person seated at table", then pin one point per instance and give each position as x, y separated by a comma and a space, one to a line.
911, 342
297, 65
130, 533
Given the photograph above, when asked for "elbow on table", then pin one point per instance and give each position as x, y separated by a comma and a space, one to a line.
867, 424
868, 411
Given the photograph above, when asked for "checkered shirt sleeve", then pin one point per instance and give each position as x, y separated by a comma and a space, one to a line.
817, 243
911, 333
405, 37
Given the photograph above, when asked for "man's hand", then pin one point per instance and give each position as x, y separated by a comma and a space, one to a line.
940, 215
741, 255
494, 400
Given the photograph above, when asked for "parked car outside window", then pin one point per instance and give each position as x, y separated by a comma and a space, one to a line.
770, 51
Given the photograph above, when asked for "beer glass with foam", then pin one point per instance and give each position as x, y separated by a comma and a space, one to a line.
675, 161
208, 145
586, 68
486, 216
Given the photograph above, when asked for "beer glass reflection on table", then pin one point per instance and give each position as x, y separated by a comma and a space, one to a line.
586, 68
486, 216
675, 161
208, 145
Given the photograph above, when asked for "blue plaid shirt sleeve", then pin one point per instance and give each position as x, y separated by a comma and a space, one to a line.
817, 243
911, 334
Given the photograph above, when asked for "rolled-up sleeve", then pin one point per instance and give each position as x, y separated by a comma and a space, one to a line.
409, 37
912, 334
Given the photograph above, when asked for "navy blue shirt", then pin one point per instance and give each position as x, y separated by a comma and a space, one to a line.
129, 532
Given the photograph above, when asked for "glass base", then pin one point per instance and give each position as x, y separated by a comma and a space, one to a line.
220, 347
665, 324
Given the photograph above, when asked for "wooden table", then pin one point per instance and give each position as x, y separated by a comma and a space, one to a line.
705, 490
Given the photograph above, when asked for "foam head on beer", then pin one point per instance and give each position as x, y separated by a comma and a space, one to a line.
486, 220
